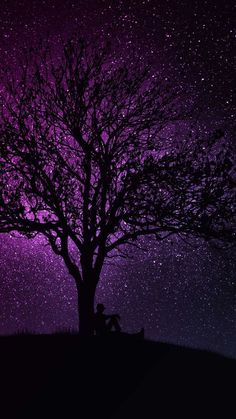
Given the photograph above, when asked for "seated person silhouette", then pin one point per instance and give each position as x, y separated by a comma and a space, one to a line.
104, 323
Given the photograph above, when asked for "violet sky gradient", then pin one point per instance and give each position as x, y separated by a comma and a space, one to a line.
179, 293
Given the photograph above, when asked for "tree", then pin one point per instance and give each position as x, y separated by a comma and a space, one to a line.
87, 161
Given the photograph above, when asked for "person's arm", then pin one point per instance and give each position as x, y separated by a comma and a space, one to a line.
109, 316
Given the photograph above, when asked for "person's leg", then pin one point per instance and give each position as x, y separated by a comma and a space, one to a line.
115, 324
109, 325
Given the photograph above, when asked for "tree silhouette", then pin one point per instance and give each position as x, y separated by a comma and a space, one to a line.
88, 160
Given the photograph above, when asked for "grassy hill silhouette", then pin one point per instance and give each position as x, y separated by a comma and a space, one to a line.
62, 375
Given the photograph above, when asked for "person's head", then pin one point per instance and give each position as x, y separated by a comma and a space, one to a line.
100, 308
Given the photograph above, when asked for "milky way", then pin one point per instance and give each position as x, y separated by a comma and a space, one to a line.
183, 293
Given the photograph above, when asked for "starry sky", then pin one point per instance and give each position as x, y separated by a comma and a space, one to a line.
180, 292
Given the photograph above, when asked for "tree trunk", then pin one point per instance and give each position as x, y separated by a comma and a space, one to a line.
86, 294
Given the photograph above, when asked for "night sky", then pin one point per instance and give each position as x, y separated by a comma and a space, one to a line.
182, 293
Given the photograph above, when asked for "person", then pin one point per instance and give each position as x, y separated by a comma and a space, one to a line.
105, 323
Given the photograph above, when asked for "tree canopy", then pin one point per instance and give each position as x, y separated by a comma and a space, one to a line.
88, 159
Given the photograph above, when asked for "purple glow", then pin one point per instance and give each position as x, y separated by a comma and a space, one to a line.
183, 294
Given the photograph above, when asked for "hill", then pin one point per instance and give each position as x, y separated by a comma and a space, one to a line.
52, 376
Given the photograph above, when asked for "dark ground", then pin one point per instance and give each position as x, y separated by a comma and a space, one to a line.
63, 376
